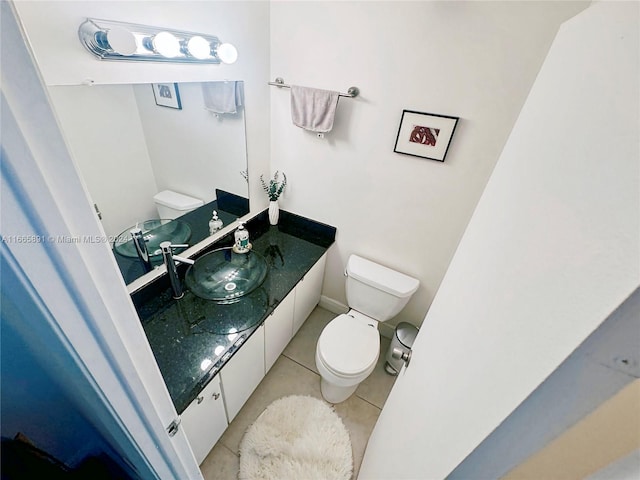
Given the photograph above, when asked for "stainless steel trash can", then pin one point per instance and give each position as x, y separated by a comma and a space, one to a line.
403, 339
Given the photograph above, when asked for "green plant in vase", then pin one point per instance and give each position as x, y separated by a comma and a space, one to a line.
274, 189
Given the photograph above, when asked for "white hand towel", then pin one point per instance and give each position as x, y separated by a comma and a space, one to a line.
313, 109
223, 97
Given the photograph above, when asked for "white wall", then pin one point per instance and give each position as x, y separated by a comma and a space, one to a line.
51, 28
550, 253
473, 60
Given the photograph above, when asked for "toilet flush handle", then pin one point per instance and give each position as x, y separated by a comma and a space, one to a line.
402, 355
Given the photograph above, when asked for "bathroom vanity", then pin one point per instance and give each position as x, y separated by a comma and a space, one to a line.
211, 355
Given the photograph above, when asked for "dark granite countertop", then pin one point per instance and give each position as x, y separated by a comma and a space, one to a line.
193, 338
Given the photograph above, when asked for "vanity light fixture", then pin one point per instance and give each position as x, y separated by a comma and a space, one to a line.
111, 40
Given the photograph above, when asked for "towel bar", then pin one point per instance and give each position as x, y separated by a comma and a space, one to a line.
352, 92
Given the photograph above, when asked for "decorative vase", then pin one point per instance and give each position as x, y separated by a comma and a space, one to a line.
274, 212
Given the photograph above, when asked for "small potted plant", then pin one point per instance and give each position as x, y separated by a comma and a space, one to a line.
274, 189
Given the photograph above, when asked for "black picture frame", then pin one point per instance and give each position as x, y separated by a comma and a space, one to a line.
167, 95
425, 135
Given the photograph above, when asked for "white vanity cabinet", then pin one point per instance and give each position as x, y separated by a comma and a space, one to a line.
278, 330
308, 293
242, 373
290, 314
205, 420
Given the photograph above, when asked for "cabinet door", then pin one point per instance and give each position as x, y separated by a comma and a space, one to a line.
278, 330
242, 374
308, 293
205, 420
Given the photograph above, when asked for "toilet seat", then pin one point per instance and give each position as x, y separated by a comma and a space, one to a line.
348, 346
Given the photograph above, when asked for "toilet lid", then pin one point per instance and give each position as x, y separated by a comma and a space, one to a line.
349, 346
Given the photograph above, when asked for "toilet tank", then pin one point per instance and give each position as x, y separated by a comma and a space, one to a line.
377, 291
172, 204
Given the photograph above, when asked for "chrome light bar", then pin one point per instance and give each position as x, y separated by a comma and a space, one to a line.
111, 40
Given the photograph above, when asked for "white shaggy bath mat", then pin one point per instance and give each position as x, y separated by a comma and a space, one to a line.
296, 438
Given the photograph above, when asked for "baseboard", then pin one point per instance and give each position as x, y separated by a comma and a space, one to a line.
337, 307
332, 305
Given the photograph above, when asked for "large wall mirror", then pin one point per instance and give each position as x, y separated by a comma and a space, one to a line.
131, 142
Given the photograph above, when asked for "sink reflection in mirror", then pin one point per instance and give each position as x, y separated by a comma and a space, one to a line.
128, 148
154, 232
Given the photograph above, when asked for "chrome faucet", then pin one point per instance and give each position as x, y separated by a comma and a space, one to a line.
170, 262
141, 248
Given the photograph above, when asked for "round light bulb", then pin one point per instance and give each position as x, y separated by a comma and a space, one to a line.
121, 41
198, 47
227, 53
166, 44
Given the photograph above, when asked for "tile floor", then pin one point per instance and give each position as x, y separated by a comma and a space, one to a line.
295, 373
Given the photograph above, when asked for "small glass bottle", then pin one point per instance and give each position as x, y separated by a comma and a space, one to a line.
215, 223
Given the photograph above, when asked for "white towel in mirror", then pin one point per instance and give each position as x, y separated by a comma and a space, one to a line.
313, 109
223, 97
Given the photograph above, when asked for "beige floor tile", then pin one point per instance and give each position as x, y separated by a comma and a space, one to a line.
286, 377
220, 464
359, 416
376, 387
302, 347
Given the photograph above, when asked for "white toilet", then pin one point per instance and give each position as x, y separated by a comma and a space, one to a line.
172, 204
349, 346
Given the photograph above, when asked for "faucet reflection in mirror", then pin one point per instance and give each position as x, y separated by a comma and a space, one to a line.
111, 40
141, 248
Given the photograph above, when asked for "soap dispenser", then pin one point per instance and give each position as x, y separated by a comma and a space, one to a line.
241, 236
215, 223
